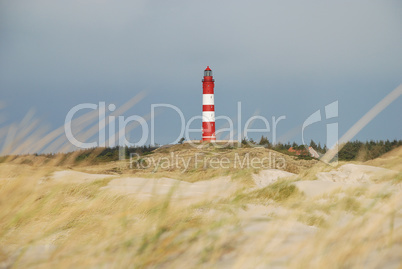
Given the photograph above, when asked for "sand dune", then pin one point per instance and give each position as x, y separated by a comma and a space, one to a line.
72, 176
266, 177
151, 187
218, 223
353, 173
346, 176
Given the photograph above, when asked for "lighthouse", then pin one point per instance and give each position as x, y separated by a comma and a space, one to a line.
208, 107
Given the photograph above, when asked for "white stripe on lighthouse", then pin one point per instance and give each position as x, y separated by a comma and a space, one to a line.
208, 116
207, 99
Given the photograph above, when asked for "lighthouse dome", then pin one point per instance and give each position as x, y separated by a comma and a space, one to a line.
208, 72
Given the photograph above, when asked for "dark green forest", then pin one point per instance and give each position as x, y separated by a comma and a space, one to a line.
354, 150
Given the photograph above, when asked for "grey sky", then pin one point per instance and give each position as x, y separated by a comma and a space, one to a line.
276, 57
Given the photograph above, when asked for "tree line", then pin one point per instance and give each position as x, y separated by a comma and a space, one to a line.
353, 150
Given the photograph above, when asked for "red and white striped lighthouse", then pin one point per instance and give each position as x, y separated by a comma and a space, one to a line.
208, 107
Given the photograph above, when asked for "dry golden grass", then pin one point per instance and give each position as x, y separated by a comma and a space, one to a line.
391, 160
201, 169
51, 224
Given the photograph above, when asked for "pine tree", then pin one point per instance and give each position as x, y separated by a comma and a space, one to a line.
264, 141
313, 144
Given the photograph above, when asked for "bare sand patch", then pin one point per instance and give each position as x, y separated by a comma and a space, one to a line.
72, 176
268, 176
152, 187
316, 187
354, 173
346, 176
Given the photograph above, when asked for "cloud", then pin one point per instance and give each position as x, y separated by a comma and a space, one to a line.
97, 38
304, 49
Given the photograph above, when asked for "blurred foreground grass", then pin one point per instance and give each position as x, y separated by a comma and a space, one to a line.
56, 224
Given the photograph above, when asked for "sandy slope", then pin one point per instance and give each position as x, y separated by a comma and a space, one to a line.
268, 176
153, 187
353, 173
161, 187
346, 176
247, 238
72, 176
256, 234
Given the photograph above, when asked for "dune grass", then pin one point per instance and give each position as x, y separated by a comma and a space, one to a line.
46, 224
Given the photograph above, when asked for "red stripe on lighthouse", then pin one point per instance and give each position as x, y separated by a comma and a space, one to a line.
208, 130
208, 108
